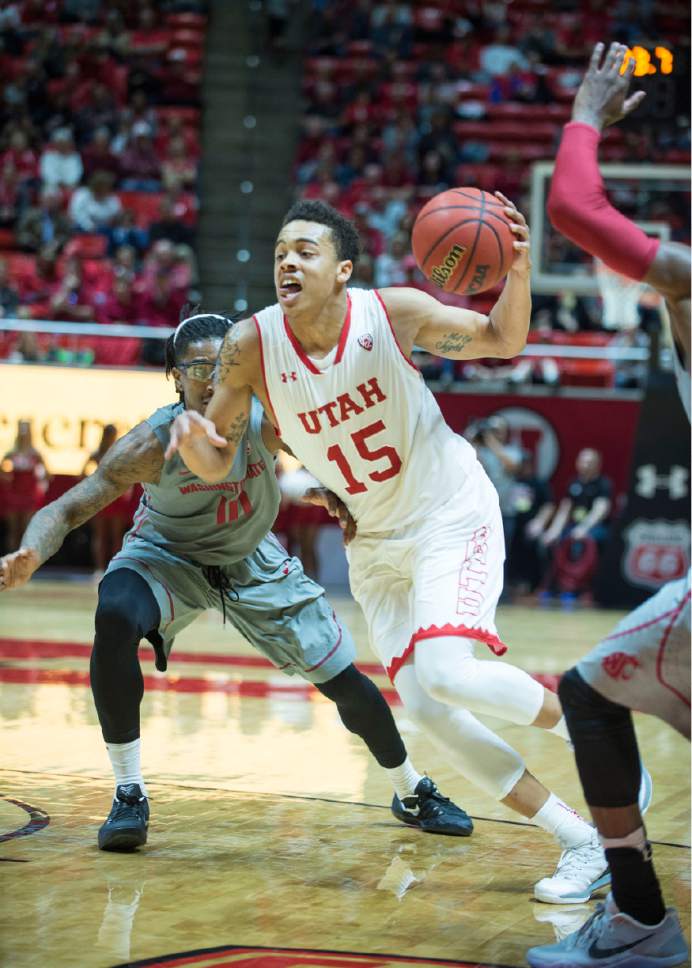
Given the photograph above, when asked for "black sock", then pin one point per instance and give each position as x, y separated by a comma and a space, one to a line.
635, 886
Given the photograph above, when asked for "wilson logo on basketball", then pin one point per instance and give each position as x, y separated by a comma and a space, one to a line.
619, 665
365, 341
440, 274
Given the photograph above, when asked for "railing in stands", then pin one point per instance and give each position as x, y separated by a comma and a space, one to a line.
556, 351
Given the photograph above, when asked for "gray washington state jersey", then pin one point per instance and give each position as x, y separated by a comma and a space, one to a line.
200, 546
211, 524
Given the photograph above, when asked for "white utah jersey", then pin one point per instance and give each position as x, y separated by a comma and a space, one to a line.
362, 420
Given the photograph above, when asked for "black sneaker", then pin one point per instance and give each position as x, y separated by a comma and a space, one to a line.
432, 812
126, 826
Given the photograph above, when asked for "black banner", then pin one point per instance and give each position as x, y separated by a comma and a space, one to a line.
650, 542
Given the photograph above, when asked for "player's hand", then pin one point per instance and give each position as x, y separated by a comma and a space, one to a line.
522, 242
602, 97
327, 499
17, 568
578, 533
190, 426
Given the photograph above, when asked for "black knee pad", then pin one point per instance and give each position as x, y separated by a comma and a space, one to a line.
126, 609
605, 744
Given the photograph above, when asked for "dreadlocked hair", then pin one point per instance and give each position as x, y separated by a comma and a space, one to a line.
193, 327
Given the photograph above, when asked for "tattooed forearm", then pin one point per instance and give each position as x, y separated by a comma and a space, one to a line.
237, 428
137, 457
228, 357
452, 343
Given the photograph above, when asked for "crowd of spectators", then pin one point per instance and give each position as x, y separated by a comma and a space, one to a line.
553, 546
99, 135
404, 100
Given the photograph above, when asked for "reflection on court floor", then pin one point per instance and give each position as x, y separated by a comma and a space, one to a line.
271, 841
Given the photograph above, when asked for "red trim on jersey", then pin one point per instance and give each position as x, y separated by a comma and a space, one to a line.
398, 344
345, 329
341, 345
495, 644
264, 374
661, 650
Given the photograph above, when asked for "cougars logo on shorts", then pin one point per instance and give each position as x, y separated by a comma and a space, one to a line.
293, 957
620, 665
657, 552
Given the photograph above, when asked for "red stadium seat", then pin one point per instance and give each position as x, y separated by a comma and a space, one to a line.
186, 21
6, 239
587, 373
87, 247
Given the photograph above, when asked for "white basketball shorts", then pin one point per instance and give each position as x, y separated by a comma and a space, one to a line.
441, 576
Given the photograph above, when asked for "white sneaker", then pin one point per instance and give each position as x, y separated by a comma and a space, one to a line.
610, 939
580, 872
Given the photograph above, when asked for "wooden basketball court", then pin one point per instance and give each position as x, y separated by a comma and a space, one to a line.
271, 841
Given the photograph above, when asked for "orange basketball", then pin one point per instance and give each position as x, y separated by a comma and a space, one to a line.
462, 241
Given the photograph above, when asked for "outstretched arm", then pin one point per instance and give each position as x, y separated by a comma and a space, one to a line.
578, 205
137, 457
208, 444
460, 334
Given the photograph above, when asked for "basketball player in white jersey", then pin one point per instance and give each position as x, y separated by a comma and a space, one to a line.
332, 368
644, 663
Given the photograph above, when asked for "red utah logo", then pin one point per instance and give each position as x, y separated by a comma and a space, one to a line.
365, 341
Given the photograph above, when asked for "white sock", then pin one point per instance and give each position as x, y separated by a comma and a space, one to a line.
560, 729
565, 824
125, 759
405, 779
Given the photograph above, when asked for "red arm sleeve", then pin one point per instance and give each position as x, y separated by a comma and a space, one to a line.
579, 208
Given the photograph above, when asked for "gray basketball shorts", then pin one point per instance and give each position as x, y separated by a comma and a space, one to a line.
270, 600
644, 663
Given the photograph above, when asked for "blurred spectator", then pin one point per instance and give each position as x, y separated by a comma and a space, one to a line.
94, 207
100, 111
140, 161
586, 507
24, 470
534, 508
42, 283
178, 169
71, 301
501, 460
10, 194
61, 165
98, 155
501, 56
22, 156
389, 267
125, 232
168, 225
9, 297
125, 262
364, 273
44, 223
80, 11
121, 306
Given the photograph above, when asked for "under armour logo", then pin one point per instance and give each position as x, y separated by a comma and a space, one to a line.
292, 376
619, 665
648, 481
365, 341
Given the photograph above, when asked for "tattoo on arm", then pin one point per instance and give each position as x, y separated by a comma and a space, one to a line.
137, 457
228, 357
452, 342
237, 428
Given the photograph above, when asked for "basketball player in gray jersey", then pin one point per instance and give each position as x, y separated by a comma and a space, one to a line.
195, 546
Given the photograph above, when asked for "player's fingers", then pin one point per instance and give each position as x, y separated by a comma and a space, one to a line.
520, 229
521, 246
633, 101
619, 61
596, 55
504, 199
611, 56
629, 68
